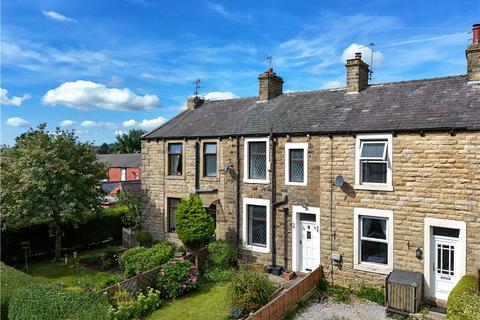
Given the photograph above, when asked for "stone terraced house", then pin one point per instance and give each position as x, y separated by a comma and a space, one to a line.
362, 180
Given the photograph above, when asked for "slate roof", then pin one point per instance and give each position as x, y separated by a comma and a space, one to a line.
119, 160
432, 104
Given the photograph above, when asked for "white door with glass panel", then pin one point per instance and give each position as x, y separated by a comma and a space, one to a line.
445, 261
309, 253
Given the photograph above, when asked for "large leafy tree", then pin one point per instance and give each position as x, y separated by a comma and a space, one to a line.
129, 142
49, 177
194, 225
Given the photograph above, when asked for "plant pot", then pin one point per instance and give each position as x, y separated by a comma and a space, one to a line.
289, 276
277, 270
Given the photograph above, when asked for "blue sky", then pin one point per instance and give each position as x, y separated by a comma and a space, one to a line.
104, 67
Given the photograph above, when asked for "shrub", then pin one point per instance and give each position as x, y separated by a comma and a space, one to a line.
323, 285
109, 258
221, 256
109, 281
47, 302
464, 307
466, 284
371, 293
131, 216
249, 290
11, 280
144, 238
136, 309
341, 294
194, 225
176, 278
140, 259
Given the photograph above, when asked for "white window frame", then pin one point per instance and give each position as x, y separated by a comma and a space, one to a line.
246, 161
255, 202
123, 174
288, 147
370, 266
361, 138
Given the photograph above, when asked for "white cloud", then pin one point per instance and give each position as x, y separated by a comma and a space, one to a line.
100, 124
17, 122
87, 94
57, 16
349, 53
13, 101
331, 84
119, 132
218, 95
145, 123
67, 123
218, 8
115, 80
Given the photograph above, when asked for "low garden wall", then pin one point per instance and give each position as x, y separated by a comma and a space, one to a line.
276, 308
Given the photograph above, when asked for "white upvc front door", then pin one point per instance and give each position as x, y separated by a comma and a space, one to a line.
305, 238
445, 265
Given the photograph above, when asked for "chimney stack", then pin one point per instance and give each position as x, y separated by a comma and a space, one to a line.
194, 102
270, 85
357, 74
473, 55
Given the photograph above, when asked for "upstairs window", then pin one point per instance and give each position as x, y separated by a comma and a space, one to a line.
175, 159
172, 204
373, 162
296, 163
256, 160
210, 159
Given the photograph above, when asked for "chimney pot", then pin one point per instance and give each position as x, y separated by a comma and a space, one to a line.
358, 55
473, 55
476, 33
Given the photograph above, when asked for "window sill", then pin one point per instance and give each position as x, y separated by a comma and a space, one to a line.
256, 181
257, 249
300, 184
373, 187
210, 179
372, 268
182, 177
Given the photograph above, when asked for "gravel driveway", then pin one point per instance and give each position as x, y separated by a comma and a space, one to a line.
357, 310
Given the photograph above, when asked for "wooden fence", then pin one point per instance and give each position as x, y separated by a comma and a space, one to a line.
276, 308
147, 279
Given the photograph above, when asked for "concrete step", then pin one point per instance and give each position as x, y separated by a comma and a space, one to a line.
432, 315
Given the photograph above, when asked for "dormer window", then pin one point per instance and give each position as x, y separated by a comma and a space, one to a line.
373, 162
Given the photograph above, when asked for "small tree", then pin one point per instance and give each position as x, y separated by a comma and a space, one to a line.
194, 225
49, 177
130, 142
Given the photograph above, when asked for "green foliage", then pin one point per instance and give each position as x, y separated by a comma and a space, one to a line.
340, 293
47, 302
10, 280
109, 281
467, 283
323, 285
127, 309
141, 259
130, 217
105, 148
176, 278
49, 177
144, 237
222, 256
130, 142
464, 307
249, 290
371, 293
194, 225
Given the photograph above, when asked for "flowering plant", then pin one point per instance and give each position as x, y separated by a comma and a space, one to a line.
176, 278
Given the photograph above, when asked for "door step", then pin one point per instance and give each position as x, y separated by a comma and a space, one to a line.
436, 313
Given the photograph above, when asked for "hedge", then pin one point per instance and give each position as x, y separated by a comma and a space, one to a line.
11, 280
140, 259
464, 301
466, 284
46, 302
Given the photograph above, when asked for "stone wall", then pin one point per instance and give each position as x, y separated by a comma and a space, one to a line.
437, 175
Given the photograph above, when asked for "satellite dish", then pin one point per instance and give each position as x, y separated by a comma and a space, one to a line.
339, 181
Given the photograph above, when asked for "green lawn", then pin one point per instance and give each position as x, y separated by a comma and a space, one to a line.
53, 273
208, 302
